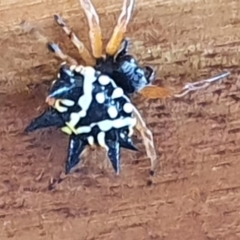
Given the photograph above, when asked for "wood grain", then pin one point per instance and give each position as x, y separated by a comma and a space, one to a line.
181, 39
195, 193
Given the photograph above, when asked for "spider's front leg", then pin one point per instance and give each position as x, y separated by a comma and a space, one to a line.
155, 92
83, 51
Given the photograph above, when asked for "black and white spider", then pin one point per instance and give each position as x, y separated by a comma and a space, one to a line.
92, 103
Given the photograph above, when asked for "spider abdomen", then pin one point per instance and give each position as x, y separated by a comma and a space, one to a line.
104, 116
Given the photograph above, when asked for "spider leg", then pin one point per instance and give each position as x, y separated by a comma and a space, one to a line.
147, 138
75, 149
190, 87
155, 92
152, 91
95, 32
121, 28
53, 47
83, 51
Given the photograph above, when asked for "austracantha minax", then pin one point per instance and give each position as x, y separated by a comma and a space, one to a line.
92, 103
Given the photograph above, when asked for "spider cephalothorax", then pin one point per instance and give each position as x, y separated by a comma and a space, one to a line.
125, 70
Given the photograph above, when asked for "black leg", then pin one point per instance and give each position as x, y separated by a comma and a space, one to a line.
49, 118
114, 154
76, 147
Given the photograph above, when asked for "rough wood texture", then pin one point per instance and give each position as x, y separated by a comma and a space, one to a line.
192, 37
195, 194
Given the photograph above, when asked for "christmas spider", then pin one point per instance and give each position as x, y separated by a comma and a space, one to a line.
92, 103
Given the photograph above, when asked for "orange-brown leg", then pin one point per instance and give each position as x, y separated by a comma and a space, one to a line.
121, 28
95, 32
83, 51
155, 92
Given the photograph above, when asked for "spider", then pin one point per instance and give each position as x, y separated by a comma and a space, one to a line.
92, 103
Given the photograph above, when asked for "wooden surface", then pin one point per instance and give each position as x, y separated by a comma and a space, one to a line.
195, 194
182, 39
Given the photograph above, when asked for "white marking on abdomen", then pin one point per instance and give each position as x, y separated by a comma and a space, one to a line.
112, 112
75, 118
67, 102
72, 67
83, 129
89, 78
117, 93
122, 135
101, 139
90, 140
127, 107
86, 99
100, 97
80, 69
104, 80
107, 125
59, 107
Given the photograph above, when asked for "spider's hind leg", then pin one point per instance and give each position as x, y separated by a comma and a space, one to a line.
83, 51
